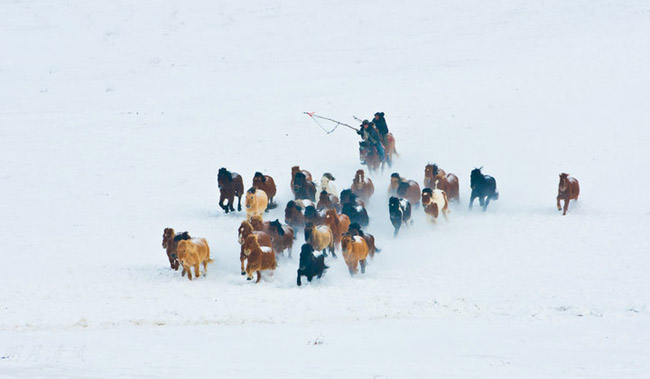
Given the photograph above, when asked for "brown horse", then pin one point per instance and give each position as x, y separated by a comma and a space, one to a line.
568, 189
170, 243
246, 229
328, 201
368, 154
361, 187
259, 224
338, 223
230, 185
259, 258
389, 147
405, 189
266, 184
293, 215
281, 237
446, 182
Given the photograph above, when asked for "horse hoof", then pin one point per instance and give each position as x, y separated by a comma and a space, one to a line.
249, 279
243, 272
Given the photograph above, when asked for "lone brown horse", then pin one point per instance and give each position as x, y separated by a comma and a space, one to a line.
446, 182
230, 185
568, 189
405, 189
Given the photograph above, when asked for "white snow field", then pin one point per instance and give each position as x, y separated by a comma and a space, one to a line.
115, 117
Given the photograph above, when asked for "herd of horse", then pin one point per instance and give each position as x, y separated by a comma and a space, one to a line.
333, 222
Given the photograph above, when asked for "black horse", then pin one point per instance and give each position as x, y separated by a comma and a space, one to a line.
310, 265
303, 188
484, 187
353, 208
400, 212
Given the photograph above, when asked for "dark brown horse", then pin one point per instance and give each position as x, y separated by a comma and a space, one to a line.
266, 184
568, 189
303, 188
361, 187
446, 182
328, 201
369, 156
294, 171
405, 189
294, 216
230, 185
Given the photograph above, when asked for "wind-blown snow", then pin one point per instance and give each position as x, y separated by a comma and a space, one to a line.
116, 116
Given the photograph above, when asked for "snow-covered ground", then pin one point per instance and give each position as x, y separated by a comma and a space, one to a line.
116, 116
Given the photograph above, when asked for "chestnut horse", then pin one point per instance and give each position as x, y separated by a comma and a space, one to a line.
355, 252
293, 215
389, 148
355, 230
266, 184
405, 189
230, 185
446, 182
568, 189
361, 187
281, 237
338, 223
246, 229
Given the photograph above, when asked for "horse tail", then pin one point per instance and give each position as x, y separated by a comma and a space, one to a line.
495, 195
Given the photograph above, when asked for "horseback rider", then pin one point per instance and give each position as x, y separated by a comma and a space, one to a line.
370, 135
382, 128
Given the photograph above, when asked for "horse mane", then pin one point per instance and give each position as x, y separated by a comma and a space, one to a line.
276, 224
328, 176
393, 202
225, 174
251, 190
356, 227
259, 176
427, 190
182, 236
395, 175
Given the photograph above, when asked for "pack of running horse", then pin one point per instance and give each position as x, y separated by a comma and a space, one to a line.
335, 222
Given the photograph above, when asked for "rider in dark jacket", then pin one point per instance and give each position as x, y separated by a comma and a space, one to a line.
382, 128
370, 134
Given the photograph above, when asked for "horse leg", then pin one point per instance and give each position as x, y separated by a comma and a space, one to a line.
221, 199
487, 201
481, 201
566, 206
363, 266
559, 206
238, 203
259, 277
298, 282
471, 201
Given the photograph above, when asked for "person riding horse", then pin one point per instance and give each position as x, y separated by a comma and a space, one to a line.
382, 128
370, 136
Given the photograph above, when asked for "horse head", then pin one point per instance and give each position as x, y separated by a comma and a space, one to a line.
259, 177
359, 177
427, 194
224, 176
393, 203
348, 197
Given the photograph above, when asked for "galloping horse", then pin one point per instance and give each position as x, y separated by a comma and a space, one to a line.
362, 187
294, 171
266, 184
568, 189
368, 154
303, 188
446, 182
405, 189
230, 185
484, 187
